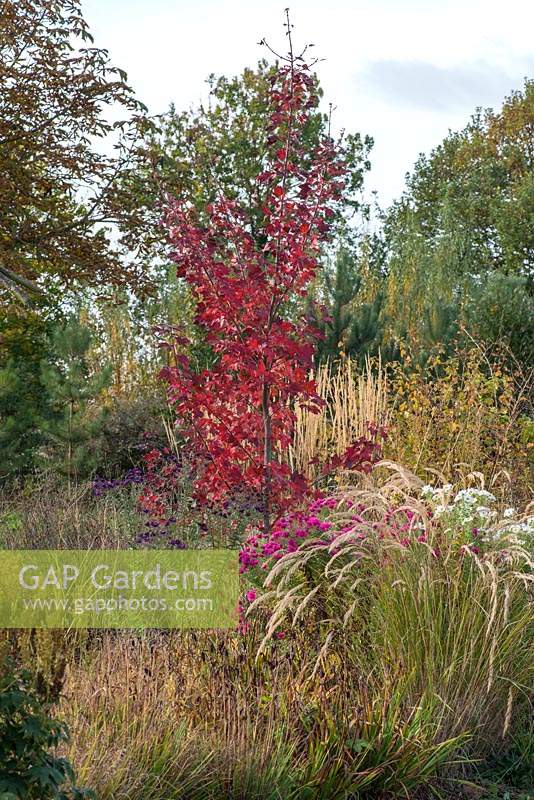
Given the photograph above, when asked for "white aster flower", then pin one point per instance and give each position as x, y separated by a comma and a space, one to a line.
427, 491
440, 510
483, 511
473, 496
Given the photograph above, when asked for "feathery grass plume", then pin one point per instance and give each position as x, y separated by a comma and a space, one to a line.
353, 401
460, 623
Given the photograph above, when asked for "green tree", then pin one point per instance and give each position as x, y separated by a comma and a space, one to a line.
351, 288
500, 308
463, 227
75, 422
23, 400
220, 148
480, 183
349, 321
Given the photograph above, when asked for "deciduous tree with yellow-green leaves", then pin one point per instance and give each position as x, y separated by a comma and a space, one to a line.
61, 154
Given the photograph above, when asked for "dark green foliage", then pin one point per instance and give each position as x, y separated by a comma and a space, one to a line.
132, 426
351, 290
341, 284
19, 435
29, 735
365, 334
74, 423
352, 326
500, 308
23, 401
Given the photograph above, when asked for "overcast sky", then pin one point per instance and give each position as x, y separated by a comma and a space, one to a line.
403, 71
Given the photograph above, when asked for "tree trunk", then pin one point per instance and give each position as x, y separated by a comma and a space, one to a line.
267, 456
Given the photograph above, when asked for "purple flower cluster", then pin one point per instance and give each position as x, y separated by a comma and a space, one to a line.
148, 538
134, 476
155, 532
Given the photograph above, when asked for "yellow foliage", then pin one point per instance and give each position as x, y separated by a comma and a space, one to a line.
459, 415
454, 416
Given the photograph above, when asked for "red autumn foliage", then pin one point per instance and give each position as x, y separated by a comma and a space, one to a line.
359, 456
238, 415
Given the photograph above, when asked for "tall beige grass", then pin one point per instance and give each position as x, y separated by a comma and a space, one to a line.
353, 401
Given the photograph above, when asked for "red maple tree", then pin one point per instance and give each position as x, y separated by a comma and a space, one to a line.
237, 416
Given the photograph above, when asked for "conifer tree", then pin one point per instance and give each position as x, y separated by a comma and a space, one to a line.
352, 326
18, 432
74, 424
23, 402
340, 286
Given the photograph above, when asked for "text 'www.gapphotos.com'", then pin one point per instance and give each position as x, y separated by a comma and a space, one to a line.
87, 605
